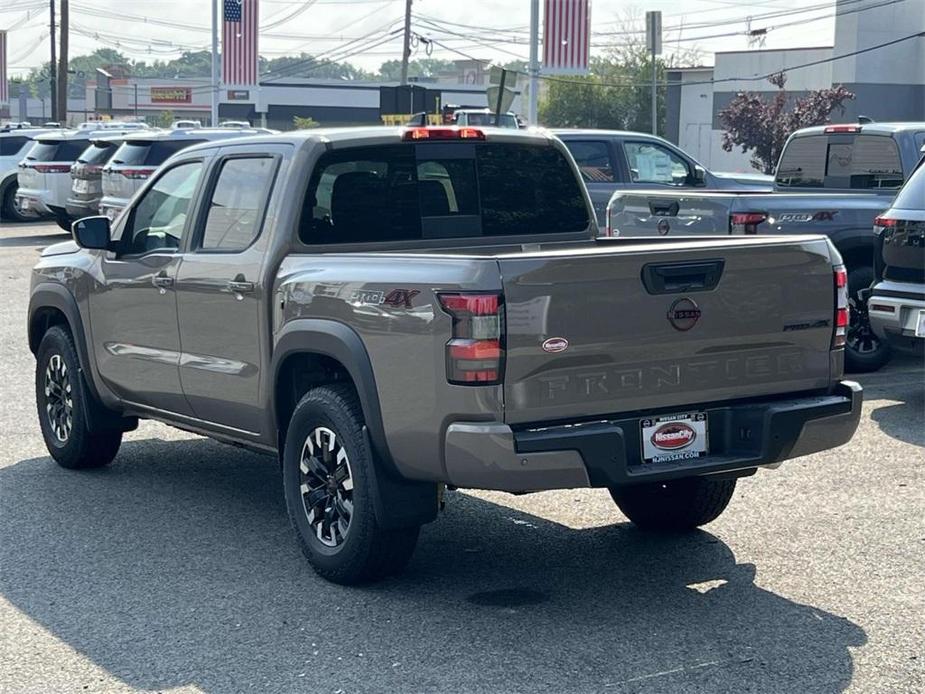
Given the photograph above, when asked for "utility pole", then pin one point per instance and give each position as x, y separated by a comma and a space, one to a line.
62, 62
534, 68
406, 44
215, 67
52, 67
136, 101
654, 44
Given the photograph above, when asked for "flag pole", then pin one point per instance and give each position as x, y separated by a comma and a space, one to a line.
215, 68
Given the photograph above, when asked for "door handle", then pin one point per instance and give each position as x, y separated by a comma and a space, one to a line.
162, 282
240, 286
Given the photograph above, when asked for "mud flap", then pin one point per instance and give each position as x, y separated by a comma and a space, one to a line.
401, 503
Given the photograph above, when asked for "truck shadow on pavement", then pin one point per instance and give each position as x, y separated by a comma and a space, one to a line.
176, 566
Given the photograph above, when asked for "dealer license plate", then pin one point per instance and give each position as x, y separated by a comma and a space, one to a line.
674, 437
81, 185
25, 204
920, 324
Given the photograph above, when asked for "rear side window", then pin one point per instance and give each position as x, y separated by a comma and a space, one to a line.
441, 190
912, 195
593, 159
131, 153
11, 145
235, 212
860, 162
97, 153
802, 164
43, 151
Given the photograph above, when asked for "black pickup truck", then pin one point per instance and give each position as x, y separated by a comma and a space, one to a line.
831, 179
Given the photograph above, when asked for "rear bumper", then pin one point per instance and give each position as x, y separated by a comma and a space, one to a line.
33, 201
82, 208
608, 453
111, 207
894, 308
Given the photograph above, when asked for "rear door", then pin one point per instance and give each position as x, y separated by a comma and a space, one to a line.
222, 298
653, 326
595, 160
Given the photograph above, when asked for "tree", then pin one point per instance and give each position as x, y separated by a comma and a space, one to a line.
762, 127
390, 70
304, 122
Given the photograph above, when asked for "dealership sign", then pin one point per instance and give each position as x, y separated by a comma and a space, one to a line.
171, 95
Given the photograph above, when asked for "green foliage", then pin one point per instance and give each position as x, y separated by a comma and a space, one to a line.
390, 70
164, 119
304, 123
615, 95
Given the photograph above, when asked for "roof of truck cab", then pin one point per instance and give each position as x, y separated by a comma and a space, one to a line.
593, 132
377, 135
878, 128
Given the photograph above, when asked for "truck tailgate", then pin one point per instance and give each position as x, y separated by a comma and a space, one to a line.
654, 325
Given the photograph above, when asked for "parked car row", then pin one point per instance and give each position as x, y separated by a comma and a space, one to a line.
68, 174
834, 180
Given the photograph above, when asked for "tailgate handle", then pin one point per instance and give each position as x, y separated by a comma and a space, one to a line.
664, 208
669, 278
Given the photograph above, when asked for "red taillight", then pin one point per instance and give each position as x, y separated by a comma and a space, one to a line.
884, 222
475, 354
745, 222
415, 134
843, 129
841, 307
52, 168
136, 174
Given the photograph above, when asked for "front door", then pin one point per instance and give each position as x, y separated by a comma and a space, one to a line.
133, 308
222, 300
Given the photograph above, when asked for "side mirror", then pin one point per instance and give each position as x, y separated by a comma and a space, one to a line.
91, 232
700, 176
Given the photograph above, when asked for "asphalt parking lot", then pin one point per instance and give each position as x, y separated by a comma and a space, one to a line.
175, 570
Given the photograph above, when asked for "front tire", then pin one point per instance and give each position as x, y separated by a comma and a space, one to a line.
64, 402
329, 485
63, 221
675, 505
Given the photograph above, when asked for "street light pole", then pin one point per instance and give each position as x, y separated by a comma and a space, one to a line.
534, 68
52, 67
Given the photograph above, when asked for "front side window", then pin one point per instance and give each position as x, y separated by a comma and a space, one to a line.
441, 190
593, 159
234, 217
158, 220
651, 163
12, 144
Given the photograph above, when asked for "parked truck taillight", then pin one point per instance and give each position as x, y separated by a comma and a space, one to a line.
475, 354
841, 307
745, 222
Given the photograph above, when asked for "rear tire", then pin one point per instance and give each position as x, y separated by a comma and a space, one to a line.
329, 487
674, 505
865, 351
8, 209
64, 402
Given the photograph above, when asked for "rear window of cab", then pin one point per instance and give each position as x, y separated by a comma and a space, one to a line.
841, 161
441, 190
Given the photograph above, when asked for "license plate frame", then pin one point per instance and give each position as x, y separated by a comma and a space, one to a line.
920, 323
674, 438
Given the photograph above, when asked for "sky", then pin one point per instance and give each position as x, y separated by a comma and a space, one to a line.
360, 30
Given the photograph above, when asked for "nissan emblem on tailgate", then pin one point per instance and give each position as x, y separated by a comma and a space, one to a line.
683, 314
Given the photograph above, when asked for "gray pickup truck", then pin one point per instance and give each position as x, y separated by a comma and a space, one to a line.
395, 310
832, 179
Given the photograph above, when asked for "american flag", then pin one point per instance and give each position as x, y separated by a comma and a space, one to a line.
239, 42
566, 37
4, 87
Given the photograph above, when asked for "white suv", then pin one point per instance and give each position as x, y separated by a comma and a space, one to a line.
13, 147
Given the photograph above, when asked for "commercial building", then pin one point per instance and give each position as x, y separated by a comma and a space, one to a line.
888, 82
